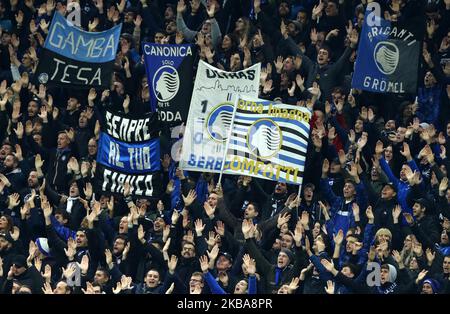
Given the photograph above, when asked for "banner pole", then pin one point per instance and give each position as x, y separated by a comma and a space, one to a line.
298, 196
228, 140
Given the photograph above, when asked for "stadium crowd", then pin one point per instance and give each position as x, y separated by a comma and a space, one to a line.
375, 186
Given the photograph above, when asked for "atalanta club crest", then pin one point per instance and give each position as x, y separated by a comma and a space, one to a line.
386, 56
43, 78
264, 138
219, 121
166, 83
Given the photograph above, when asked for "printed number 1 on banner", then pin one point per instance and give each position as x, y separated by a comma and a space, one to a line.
204, 104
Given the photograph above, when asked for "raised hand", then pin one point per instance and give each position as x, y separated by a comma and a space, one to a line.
295, 203
293, 285
330, 287
250, 264
15, 233
325, 167
13, 200
126, 251
199, 227
370, 215
118, 288
398, 258
211, 10
209, 210
317, 10
84, 265
355, 209
190, 198
47, 274
181, 7
175, 216
267, 87
329, 266
304, 220
47, 288
204, 263
282, 219
339, 237
430, 256
298, 233
279, 64
69, 271
246, 227
141, 234
172, 264
406, 152
362, 141
71, 249
443, 186
220, 228
421, 276
108, 257
396, 213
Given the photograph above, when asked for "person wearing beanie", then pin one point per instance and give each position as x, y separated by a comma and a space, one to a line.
430, 286
42, 244
222, 273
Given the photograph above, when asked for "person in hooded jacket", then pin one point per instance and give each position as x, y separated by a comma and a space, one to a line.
391, 279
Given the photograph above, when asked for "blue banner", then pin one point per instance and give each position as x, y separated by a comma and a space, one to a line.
388, 54
169, 71
133, 158
67, 40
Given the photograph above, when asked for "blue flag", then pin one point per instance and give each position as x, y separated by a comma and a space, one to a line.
170, 78
388, 54
128, 157
72, 57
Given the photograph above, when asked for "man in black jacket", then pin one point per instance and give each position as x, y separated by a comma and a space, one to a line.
13, 173
425, 228
57, 176
25, 275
